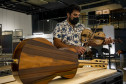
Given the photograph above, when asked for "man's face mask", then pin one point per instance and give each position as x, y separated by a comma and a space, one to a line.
74, 21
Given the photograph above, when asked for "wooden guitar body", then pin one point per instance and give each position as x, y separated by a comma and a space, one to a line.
39, 62
99, 38
86, 35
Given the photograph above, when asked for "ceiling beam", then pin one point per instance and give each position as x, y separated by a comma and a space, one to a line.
93, 2
96, 5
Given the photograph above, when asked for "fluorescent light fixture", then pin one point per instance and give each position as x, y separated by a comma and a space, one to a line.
106, 11
47, 20
99, 12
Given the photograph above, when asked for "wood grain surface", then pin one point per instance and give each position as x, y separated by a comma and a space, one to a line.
39, 62
84, 75
97, 63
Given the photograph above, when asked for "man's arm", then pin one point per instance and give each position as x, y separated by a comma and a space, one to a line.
57, 42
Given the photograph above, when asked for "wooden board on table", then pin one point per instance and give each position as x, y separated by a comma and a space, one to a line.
7, 79
98, 63
84, 75
94, 61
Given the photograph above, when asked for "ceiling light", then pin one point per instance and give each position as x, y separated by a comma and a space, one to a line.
47, 20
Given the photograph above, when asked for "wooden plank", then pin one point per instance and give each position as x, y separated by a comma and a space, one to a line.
84, 75
95, 61
98, 63
7, 79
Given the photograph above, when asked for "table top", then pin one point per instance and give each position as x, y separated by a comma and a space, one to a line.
83, 75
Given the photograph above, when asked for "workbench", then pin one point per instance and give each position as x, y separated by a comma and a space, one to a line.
85, 75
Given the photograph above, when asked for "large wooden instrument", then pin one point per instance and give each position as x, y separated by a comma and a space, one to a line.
86, 35
89, 36
37, 61
95, 37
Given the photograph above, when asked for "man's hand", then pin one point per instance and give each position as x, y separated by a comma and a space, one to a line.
108, 41
80, 50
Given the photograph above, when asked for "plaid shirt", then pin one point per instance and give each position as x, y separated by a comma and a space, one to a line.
67, 34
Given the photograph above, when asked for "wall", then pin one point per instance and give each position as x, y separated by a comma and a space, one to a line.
12, 20
46, 26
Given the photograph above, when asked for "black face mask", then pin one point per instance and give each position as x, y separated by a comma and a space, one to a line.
74, 21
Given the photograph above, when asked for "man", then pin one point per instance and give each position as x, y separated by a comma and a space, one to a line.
67, 34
